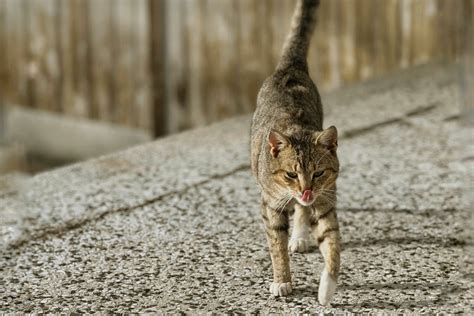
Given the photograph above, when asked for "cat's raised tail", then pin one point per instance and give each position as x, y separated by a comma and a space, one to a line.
295, 49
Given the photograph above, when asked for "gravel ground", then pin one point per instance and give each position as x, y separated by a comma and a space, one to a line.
174, 225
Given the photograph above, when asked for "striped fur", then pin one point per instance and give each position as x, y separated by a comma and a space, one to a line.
288, 148
295, 49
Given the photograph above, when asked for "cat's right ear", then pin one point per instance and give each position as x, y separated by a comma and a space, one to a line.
277, 142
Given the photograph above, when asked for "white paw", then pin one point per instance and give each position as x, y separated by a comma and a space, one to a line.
327, 288
298, 245
280, 289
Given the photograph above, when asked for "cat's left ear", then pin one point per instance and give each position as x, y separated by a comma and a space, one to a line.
277, 142
328, 138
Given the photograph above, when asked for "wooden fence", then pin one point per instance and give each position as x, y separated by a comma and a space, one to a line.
169, 65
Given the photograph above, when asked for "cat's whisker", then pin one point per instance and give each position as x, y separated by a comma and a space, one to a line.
329, 203
285, 198
328, 193
328, 198
283, 201
284, 206
327, 190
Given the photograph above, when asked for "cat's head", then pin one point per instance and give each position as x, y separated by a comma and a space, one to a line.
305, 165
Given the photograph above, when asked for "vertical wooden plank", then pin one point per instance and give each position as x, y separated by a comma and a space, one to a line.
133, 45
43, 53
158, 40
79, 53
392, 35
206, 61
406, 30
220, 52
90, 85
73, 39
432, 14
449, 17
30, 63
459, 30
58, 24
280, 18
418, 37
319, 49
3, 68
3, 65
124, 67
346, 41
101, 55
194, 32
334, 79
116, 79
9, 92
142, 97
441, 27
365, 38
385, 45
176, 86
37, 50
229, 38
466, 60
379, 31
264, 12
113, 87
252, 70
65, 61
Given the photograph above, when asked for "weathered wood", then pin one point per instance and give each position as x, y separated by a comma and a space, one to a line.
142, 72
3, 66
194, 28
251, 54
121, 61
466, 76
176, 66
157, 63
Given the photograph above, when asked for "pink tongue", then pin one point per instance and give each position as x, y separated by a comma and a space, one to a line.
307, 195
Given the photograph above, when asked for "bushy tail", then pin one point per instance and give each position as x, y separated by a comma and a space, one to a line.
295, 49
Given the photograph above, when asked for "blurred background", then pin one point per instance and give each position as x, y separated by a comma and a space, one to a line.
81, 78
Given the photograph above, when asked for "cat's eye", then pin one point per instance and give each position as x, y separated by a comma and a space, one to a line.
318, 174
292, 175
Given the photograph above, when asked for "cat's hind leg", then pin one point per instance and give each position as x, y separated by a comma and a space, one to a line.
326, 233
300, 237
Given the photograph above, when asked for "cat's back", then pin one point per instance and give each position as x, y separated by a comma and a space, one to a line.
286, 100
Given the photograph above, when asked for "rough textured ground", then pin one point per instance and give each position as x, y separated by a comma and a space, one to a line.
174, 225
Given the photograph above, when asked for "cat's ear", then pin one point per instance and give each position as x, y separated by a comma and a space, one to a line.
277, 142
328, 138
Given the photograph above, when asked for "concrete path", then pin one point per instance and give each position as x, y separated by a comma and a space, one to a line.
173, 225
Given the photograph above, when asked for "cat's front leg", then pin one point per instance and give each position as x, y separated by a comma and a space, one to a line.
276, 228
326, 233
300, 238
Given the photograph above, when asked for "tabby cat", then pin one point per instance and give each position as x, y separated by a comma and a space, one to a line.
294, 162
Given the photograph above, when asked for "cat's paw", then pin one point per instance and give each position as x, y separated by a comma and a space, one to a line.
280, 289
327, 288
298, 245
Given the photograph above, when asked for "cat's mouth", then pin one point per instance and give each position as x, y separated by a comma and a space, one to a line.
306, 198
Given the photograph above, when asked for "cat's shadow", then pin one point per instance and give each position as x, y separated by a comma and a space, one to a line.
382, 303
440, 241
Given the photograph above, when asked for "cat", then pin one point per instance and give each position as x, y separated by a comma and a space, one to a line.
295, 163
